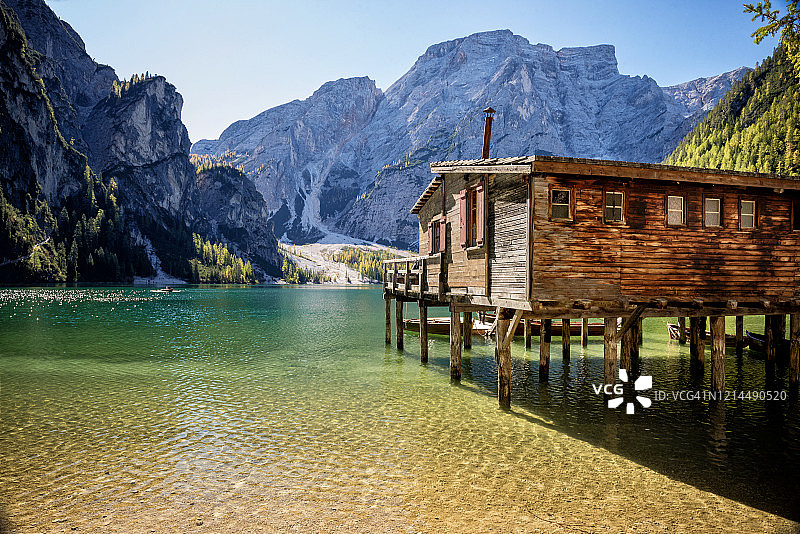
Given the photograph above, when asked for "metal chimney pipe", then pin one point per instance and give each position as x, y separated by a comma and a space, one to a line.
487, 131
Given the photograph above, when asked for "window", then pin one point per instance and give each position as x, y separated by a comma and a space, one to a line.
437, 236
747, 214
796, 215
712, 213
560, 207
675, 215
472, 204
614, 206
472, 199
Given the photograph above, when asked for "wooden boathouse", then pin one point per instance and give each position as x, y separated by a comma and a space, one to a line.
546, 238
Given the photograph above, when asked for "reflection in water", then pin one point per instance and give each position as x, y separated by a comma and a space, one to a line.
123, 408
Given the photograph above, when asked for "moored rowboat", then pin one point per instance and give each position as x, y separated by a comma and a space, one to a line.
730, 339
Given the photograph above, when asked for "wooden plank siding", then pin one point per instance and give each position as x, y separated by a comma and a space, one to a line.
643, 256
507, 223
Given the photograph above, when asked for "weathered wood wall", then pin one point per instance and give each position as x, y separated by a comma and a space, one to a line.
643, 256
507, 223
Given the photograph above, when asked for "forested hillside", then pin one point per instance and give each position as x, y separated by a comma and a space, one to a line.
754, 127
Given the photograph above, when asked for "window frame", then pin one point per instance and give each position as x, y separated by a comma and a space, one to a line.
570, 205
437, 231
621, 207
472, 217
754, 202
721, 222
666, 210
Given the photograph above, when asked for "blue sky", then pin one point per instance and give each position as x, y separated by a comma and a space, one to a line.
231, 60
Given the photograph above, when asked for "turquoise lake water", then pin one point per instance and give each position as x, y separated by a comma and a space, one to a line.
123, 407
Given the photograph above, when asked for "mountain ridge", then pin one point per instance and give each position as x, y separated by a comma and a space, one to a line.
571, 102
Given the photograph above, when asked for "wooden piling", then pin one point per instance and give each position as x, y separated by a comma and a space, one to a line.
636, 333
779, 326
739, 335
682, 330
503, 360
388, 300
610, 350
794, 349
703, 335
527, 327
423, 332
565, 339
626, 348
467, 330
769, 338
717, 353
585, 332
639, 333
455, 344
696, 344
545, 332
398, 312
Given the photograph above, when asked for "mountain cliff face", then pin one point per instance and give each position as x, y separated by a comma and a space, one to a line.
130, 132
571, 102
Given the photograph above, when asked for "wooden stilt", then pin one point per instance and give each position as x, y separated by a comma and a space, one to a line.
639, 333
636, 333
545, 332
794, 349
467, 330
779, 325
626, 348
503, 360
388, 301
527, 326
398, 313
610, 350
694, 336
455, 344
423, 332
769, 338
565, 342
682, 328
739, 335
717, 353
585, 332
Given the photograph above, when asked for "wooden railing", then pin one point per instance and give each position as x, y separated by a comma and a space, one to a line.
414, 276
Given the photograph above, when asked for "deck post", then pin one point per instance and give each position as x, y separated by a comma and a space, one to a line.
610, 350
527, 326
637, 338
388, 301
682, 330
769, 338
503, 360
626, 348
407, 284
545, 333
697, 339
717, 353
794, 349
394, 278
779, 325
423, 332
565, 341
467, 330
639, 331
455, 344
398, 312
703, 336
585, 332
739, 335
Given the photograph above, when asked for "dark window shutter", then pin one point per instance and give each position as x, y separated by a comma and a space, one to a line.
480, 193
430, 237
442, 234
463, 207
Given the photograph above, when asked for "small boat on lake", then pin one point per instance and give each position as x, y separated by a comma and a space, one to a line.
441, 325
166, 289
730, 339
758, 343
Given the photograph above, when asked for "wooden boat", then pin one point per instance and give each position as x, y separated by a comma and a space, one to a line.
165, 290
730, 339
441, 325
758, 341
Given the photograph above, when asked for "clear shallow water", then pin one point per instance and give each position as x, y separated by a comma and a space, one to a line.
123, 408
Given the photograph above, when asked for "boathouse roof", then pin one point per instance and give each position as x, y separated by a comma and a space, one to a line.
606, 168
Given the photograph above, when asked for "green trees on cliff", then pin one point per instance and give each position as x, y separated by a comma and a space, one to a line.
215, 264
755, 127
